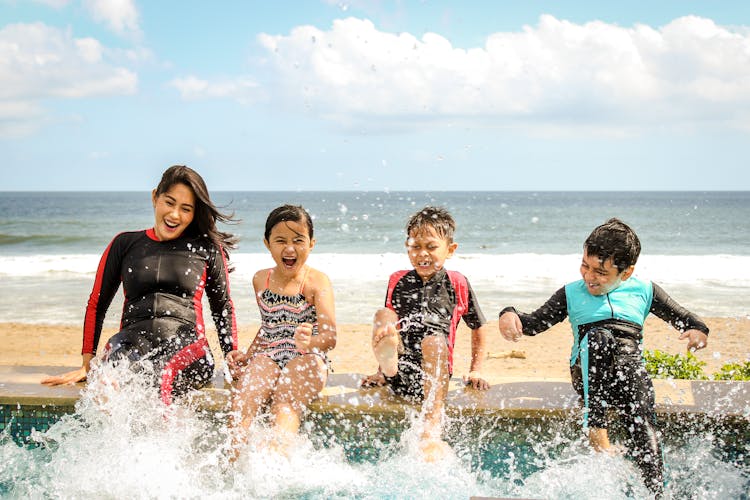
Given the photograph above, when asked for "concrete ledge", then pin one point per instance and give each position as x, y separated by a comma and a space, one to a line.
19, 385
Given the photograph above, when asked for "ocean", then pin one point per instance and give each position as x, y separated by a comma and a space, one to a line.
516, 248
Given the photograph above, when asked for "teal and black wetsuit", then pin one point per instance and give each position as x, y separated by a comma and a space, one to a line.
162, 317
607, 365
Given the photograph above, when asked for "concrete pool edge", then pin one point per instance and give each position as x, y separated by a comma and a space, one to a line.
514, 398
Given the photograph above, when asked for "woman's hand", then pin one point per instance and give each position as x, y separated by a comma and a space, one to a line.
73, 376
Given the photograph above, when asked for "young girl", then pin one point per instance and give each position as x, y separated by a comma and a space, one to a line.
285, 366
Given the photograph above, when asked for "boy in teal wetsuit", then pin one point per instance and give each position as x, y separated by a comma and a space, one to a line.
607, 309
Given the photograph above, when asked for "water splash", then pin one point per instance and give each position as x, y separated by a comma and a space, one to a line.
122, 442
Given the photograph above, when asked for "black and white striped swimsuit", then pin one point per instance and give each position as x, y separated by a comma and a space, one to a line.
280, 316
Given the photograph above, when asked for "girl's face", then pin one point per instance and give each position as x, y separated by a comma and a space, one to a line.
290, 245
602, 277
173, 211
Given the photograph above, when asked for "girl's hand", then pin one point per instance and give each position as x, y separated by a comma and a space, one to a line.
303, 336
236, 360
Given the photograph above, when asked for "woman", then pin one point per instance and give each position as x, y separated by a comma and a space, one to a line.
165, 271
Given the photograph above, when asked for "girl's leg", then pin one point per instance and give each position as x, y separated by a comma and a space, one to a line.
436, 379
300, 382
250, 392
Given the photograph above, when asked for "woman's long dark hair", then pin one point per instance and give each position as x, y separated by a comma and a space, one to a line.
206, 213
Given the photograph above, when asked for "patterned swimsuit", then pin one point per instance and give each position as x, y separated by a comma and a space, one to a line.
280, 316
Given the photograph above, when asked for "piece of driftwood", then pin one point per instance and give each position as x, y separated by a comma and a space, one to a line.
506, 354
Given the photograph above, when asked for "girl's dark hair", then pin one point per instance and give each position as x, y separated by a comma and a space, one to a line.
617, 240
206, 213
291, 213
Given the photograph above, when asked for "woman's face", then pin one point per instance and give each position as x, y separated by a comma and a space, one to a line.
173, 211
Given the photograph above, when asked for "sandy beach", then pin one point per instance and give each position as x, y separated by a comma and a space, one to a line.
544, 357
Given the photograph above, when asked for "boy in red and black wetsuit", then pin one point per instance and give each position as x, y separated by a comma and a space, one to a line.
414, 335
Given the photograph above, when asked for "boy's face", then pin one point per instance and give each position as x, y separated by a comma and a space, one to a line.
428, 251
602, 277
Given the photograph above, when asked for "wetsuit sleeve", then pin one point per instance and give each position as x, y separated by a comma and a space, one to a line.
220, 300
552, 312
666, 308
473, 316
106, 283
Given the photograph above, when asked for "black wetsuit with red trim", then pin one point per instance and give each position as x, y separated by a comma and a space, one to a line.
428, 308
162, 316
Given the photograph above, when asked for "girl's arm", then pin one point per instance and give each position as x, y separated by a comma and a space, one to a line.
323, 300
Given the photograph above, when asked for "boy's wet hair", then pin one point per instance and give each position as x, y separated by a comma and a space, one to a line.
437, 218
288, 213
614, 239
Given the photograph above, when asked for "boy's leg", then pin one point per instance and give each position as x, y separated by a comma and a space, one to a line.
601, 350
300, 382
436, 379
385, 341
251, 391
636, 409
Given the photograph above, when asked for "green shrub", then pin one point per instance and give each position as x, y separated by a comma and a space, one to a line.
682, 366
734, 371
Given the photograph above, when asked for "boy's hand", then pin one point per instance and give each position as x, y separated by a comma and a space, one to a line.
303, 336
696, 339
510, 326
475, 380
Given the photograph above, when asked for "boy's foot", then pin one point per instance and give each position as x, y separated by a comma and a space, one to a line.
433, 450
375, 380
385, 346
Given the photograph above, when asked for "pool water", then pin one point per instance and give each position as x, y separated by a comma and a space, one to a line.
124, 444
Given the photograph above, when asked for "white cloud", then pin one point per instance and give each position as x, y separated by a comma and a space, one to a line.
120, 15
242, 89
38, 62
556, 72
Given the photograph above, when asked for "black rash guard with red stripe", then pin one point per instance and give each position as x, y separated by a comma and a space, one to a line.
434, 307
162, 317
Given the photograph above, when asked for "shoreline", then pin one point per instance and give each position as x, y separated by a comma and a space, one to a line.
543, 357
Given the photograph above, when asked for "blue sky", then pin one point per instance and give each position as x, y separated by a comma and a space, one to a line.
376, 95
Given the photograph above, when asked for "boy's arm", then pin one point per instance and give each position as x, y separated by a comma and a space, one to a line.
690, 325
478, 353
552, 312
